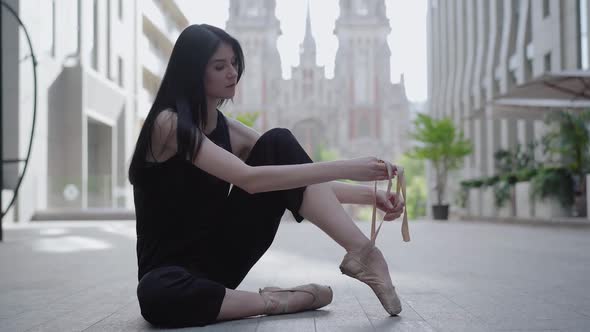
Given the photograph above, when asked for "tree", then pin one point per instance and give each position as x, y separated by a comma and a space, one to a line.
415, 186
323, 153
570, 139
246, 118
439, 143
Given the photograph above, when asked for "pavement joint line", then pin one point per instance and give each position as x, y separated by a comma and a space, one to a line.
365, 312
111, 314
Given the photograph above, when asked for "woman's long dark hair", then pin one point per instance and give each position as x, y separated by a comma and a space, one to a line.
183, 91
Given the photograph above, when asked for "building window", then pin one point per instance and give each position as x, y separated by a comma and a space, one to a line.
360, 7
513, 78
528, 69
363, 127
547, 62
53, 28
108, 40
546, 8
583, 10
516, 10
48, 39
94, 54
120, 5
120, 76
361, 79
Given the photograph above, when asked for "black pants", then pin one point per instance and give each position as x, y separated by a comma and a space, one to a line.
177, 296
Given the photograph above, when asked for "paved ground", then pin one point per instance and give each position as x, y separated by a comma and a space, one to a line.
453, 276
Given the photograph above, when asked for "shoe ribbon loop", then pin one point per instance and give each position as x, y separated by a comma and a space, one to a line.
400, 186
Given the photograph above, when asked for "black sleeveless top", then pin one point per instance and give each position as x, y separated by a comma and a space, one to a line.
176, 204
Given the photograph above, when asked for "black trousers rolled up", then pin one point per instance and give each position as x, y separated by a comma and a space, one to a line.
180, 296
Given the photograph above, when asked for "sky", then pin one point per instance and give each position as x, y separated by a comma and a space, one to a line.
407, 39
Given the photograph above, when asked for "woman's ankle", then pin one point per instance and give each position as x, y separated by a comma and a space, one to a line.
358, 245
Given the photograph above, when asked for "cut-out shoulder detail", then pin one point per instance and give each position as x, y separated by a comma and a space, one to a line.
163, 137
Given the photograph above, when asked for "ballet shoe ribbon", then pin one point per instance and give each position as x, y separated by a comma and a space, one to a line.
400, 186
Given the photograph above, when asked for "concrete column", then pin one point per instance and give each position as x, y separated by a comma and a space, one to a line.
504, 137
451, 57
478, 145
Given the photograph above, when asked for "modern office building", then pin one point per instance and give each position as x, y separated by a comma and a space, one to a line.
99, 63
480, 51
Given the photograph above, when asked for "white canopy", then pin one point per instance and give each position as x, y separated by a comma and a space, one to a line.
547, 93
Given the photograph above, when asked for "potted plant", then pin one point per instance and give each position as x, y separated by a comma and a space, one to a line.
439, 143
556, 183
570, 139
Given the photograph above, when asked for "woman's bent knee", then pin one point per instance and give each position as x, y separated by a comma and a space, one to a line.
173, 297
277, 146
277, 136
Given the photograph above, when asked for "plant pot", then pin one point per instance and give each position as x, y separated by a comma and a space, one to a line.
474, 207
580, 207
580, 184
551, 208
524, 204
440, 212
488, 208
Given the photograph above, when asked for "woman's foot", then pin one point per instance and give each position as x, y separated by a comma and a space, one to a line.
369, 266
290, 300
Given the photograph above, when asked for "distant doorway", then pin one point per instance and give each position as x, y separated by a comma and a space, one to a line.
100, 165
312, 136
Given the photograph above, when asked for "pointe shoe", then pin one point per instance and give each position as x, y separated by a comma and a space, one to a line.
279, 300
359, 265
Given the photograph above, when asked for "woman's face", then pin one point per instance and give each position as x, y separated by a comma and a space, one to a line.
221, 74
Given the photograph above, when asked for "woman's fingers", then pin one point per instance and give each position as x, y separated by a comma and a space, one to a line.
397, 201
400, 204
392, 216
393, 169
386, 175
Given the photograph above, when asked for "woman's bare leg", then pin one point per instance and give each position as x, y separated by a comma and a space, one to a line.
240, 304
321, 207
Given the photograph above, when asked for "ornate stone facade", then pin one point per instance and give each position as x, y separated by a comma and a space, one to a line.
359, 112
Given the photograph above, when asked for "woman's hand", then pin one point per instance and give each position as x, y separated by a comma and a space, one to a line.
392, 204
370, 169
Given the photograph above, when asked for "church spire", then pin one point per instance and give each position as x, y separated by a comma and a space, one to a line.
307, 49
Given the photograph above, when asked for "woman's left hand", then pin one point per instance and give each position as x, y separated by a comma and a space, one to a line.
392, 204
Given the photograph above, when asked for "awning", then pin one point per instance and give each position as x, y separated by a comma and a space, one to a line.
548, 93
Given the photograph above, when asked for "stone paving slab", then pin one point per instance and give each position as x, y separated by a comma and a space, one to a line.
453, 276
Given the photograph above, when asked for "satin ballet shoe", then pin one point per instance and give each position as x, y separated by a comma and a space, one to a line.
361, 266
280, 300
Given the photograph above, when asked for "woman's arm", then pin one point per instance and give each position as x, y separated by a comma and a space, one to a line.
352, 193
254, 179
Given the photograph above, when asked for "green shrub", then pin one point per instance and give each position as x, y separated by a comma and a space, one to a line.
554, 182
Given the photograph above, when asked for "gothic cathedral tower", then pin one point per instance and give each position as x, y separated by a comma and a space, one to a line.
362, 69
254, 24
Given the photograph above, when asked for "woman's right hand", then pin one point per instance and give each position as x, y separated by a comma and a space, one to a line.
369, 169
